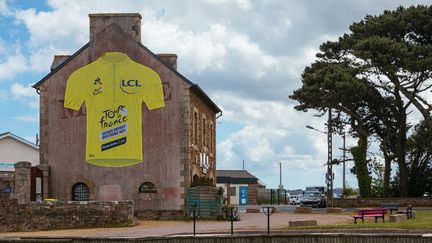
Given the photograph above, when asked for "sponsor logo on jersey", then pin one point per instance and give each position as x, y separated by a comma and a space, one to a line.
129, 86
97, 86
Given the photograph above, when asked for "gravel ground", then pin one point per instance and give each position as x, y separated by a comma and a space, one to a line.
249, 222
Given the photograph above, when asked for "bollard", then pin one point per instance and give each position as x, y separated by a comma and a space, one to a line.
194, 215
268, 211
232, 219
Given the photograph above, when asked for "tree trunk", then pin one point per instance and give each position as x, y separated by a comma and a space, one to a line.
361, 167
401, 147
387, 171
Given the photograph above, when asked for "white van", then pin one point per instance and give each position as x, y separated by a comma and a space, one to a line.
294, 199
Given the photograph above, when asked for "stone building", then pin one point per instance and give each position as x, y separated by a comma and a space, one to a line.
178, 140
240, 186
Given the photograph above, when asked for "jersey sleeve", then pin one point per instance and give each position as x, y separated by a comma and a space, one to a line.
74, 95
152, 93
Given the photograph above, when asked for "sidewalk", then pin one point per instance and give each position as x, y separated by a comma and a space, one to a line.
249, 222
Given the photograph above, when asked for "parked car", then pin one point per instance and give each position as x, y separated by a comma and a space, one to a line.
313, 199
294, 199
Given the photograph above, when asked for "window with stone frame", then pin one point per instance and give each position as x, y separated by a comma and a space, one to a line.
204, 135
195, 128
211, 137
147, 187
80, 192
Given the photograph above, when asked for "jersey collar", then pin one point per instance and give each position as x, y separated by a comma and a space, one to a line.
111, 58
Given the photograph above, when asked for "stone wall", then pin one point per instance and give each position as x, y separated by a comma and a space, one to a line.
160, 214
375, 202
62, 215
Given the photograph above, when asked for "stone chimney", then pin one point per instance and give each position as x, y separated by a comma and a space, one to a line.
58, 60
128, 22
169, 59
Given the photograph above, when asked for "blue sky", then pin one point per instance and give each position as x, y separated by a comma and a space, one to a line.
247, 56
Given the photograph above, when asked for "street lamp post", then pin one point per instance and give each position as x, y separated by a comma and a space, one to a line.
280, 176
329, 175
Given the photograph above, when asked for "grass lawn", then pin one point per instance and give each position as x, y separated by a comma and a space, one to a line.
423, 220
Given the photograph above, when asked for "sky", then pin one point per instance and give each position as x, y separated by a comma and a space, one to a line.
247, 55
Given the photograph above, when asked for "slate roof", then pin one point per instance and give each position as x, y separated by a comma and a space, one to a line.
235, 177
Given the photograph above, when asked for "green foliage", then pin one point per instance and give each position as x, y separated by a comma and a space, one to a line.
377, 184
419, 158
202, 181
348, 191
226, 213
361, 168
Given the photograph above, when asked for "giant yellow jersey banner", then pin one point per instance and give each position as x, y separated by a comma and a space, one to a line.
114, 88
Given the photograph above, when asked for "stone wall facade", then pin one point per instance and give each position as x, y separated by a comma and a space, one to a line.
375, 202
64, 215
165, 141
202, 140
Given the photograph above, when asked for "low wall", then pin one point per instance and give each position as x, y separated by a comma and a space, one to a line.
375, 202
293, 238
61, 215
160, 214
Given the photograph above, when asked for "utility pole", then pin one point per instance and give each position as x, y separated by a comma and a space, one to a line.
280, 175
243, 164
329, 161
344, 158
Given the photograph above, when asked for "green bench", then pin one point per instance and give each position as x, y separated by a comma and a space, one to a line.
390, 206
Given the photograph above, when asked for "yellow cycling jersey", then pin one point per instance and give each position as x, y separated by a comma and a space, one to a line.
114, 88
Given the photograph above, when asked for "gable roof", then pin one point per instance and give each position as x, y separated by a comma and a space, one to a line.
194, 87
235, 177
19, 139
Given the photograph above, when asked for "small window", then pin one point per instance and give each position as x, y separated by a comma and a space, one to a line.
232, 191
80, 192
147, 187
211, 138
195, 128
204, 135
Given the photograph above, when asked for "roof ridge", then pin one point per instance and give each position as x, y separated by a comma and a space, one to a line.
18, 138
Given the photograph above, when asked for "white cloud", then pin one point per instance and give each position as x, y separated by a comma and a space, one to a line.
27, 118
20, 91
4, 8
13, 65
212, 49
242, 4
25, 93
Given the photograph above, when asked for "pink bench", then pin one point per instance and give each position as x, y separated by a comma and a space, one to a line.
370, 212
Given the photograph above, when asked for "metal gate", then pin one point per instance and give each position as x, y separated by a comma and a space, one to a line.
205, 200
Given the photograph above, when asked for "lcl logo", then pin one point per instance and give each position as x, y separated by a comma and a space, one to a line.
129, 83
